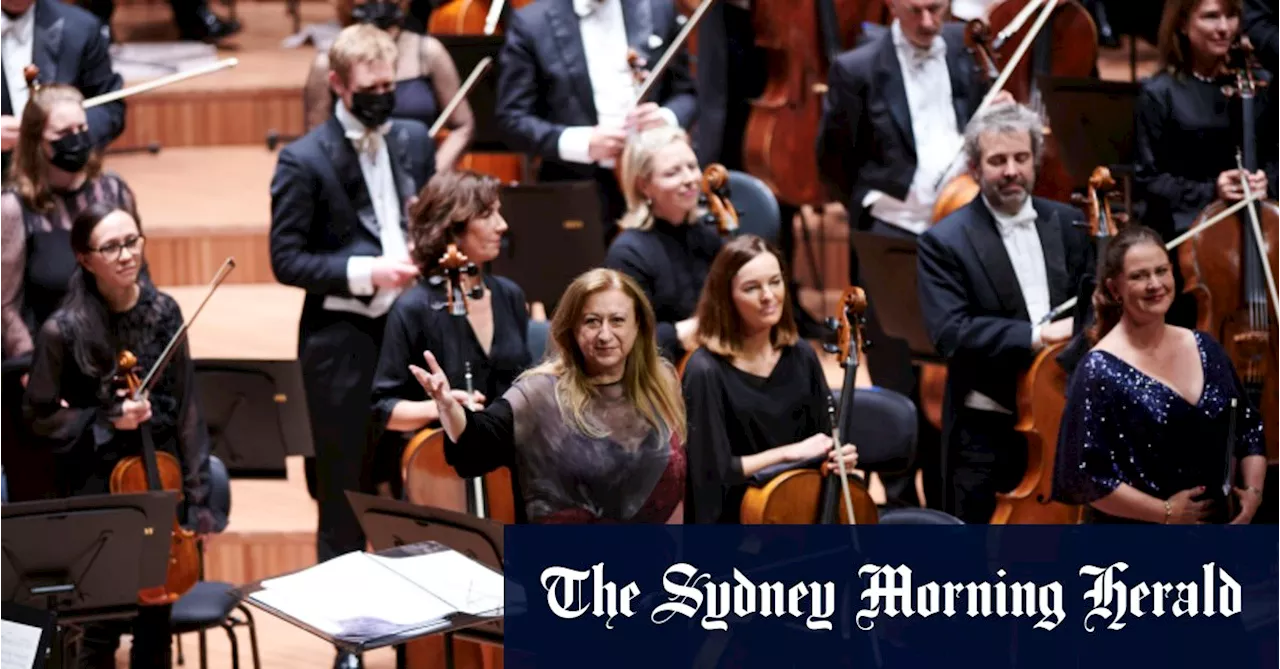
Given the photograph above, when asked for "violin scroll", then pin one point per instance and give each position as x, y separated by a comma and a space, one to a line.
126, 377
1242, 65
453, 265
850, 336
715, 189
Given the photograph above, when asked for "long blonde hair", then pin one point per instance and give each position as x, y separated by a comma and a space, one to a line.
649, 380
637, 165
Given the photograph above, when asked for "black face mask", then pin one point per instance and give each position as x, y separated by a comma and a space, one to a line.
379, 13
373, 109
71, 153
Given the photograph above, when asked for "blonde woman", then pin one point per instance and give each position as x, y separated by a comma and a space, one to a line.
595, 434
661, 246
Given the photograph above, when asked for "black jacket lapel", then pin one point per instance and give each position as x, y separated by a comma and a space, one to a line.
398, 152
994, 259
564, 26
960, 68
895, 90
346, 167
47, 41
1049, 226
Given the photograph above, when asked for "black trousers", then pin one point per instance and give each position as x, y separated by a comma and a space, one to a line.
983, 455
152, 641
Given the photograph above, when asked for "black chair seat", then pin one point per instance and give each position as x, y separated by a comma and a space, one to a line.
205, 605
917, 516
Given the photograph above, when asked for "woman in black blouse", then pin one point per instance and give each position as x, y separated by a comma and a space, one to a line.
459, 208
661, 245
55, 175
754, 392
74, 410
1188, 131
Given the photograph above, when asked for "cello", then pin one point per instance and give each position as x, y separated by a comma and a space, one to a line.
158, 470
428, 478
1225, 270
809, 495
802, 38
1063, 41
1042, 395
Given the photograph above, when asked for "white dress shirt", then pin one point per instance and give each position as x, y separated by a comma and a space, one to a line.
613, 88
375, 165
1022, 242
19, 37
934, 128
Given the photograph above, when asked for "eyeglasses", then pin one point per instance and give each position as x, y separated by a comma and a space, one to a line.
112, 250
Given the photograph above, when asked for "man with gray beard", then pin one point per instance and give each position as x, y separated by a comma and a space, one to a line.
988, 274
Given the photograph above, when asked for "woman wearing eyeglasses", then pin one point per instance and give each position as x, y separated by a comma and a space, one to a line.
74, 409
55, 175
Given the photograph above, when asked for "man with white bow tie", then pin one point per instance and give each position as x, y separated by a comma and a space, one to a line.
339, 201
566, 93
988, 274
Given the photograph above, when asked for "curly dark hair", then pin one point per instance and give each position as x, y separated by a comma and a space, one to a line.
446, 204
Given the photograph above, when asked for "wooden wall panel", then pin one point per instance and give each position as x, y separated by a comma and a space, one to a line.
181, 258
211, 118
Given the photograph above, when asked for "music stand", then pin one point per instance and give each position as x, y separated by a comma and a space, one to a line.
467, 51
390, 523
1093, 123
888, 269
32, 630
256, 412
107, 549
555, 235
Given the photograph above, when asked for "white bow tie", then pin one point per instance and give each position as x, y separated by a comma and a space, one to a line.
916, 56
585, 8
368, 141
1020, 220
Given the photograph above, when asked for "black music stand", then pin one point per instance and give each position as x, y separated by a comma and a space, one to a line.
84, 559
555, 234
888, 269
256, 411
390, 523
25, 622
1093, 123
467, 51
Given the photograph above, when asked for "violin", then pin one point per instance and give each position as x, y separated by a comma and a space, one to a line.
428, 478
809, 495
802, 39
158, 470
1225, 270
1025, 40
720, 211
1042, 393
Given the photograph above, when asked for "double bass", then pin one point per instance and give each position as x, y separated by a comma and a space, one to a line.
428, 478
1042, 395
157, 470
1224, 268
813, 495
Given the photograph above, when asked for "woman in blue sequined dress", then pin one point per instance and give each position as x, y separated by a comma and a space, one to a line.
1144, 434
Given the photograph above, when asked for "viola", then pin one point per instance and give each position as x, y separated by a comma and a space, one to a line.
1224, 269
809, 495
428, 478
1026, 40
802, 39
157, 470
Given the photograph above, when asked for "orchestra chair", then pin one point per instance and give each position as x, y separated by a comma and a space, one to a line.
214, 603
884, 427
537, 340
758, 212
909, 515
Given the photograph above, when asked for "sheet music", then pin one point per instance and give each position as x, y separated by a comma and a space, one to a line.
352, 596
465, 584
18, 645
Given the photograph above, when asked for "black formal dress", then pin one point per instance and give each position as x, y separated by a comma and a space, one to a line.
1121, 426
417, 323
732, 413
88, 446
670, 262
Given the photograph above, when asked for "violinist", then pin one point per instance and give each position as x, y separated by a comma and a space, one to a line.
755, 393
57, 173
567, 87
662, 246
73, 407
988, 274
1145, 431
596, 432
426, 79
1187, 131
491, 341
339, 202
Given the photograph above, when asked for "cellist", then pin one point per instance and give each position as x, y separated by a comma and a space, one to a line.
1147, 426
755, 393
73, 408
1187, 131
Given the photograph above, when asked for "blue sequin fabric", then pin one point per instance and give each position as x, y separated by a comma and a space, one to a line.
1122, 426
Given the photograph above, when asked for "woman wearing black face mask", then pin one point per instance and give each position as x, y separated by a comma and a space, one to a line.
55, 175
426, 79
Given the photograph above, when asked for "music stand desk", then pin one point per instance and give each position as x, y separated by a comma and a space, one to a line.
467, 51
890, 279
257, 414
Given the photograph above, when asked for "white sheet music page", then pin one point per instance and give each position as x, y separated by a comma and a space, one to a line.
464, 583
352, 596
18, 645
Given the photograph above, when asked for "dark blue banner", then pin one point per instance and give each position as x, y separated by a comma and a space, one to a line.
891, 596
